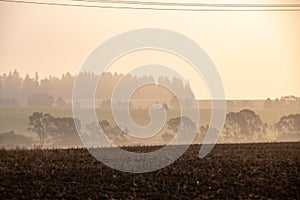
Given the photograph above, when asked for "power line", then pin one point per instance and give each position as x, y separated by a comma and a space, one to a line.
229, 5
283, 9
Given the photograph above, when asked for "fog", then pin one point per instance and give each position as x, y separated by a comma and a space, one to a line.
41, 114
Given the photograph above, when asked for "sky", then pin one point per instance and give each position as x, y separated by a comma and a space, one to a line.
257, 54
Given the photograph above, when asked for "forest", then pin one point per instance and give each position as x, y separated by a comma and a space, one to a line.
57, 92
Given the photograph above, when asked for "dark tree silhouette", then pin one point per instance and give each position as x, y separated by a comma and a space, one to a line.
289, 102
204, 130
268, 104
54, 131
28, 87
10, 139
234, 126
41, 124
167, 137
105, 126
66, 132
22, 89
288, 127
244, 125
182, 126
13, 85
254, 123
115, 134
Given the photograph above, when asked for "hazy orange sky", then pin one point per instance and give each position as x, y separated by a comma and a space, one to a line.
257, 53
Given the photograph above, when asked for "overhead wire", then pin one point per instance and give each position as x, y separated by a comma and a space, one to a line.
228, 5
288, 7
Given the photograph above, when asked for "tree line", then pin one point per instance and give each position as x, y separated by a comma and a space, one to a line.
57, 91
54, 91
285, 102
242, 126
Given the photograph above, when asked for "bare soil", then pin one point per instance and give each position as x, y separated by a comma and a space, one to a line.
230, 171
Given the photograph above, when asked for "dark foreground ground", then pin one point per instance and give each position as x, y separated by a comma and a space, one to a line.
245, 171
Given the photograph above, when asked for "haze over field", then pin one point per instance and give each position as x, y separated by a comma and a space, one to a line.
256, 53
29, 106
149, 99
43, 48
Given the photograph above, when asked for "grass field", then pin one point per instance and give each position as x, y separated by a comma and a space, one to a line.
230, 171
